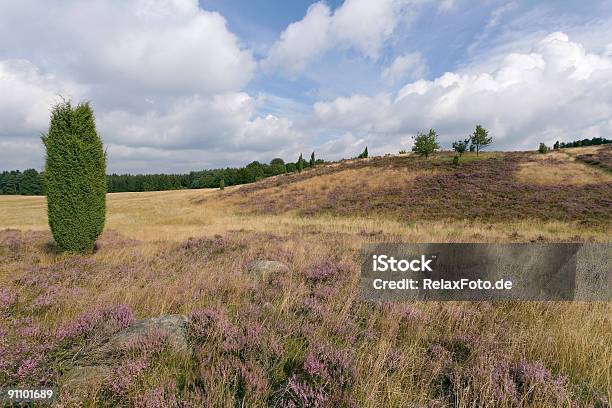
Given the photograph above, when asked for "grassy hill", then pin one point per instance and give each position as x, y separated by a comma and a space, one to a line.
303, 336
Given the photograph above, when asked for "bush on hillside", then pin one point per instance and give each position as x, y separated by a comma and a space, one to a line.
460, 146
75, 177
426, 144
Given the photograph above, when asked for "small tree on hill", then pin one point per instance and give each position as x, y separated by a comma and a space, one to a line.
556, 145
480, 138
460, 146
313, 162
221, 184
300, 163
425, 144
543, 148
75, 177
364, 154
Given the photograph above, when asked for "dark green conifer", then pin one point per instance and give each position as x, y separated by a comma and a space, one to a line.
75, 177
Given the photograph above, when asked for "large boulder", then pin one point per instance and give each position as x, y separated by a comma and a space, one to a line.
171, 326
264, 268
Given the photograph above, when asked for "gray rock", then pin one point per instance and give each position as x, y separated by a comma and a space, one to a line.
173, 326
263, 268
81, 381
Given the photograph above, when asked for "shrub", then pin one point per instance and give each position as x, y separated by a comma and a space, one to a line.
426, 144
456, 160
75, 177
222, 184
460, 146
543, 148
313, 162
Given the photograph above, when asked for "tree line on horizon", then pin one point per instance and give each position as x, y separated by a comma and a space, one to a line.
596, 141
31, 181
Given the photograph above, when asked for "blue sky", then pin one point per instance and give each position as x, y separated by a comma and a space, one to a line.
180, 85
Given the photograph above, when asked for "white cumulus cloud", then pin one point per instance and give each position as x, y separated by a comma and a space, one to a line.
361, 25
161, 45
559, 90
408, 66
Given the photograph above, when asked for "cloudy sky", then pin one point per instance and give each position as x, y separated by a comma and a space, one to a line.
180, 85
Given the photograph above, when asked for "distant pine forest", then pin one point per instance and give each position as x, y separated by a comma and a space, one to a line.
31, 182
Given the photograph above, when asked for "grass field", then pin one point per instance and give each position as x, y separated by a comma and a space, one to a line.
303, 337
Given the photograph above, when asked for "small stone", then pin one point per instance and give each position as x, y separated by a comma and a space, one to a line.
264, 268
80, 381
173, 326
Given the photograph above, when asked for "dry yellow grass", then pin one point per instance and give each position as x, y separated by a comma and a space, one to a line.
176, 215
560, 168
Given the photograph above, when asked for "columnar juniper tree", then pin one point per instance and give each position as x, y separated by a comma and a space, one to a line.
313, 162
364, 154
75, 177
480, 138
300, 163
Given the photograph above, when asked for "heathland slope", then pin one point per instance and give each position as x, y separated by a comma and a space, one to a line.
492, 186
302, 336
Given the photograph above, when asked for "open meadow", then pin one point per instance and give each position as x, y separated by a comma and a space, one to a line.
301, 336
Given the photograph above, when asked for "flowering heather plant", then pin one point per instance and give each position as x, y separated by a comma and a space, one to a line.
202, 324
301, 394
124, 376
54, 295
7, 299
24, 360
111, 239
253, 380
151, 342
322, 272
327, 364
32, 356
535, 382
207, 247
68, 272
477, 370
162, 396
111, 319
